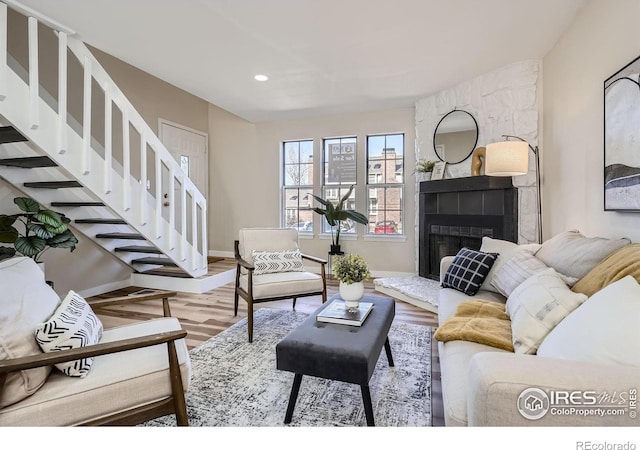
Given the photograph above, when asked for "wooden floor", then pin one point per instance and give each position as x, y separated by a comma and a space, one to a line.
205, 315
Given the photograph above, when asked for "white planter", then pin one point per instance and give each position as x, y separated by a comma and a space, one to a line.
351, 294
424, 176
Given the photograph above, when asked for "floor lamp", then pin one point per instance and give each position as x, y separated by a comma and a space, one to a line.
511, 158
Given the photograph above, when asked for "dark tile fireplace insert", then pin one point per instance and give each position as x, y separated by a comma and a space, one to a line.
458, 212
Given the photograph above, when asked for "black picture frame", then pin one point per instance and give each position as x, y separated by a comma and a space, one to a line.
621, 171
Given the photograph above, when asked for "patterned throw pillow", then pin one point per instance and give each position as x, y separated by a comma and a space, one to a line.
72, 325
274, 262
537, 306
468, 270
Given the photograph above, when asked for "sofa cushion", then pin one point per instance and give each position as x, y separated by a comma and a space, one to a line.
72, 325
521, 266
605, 329
282, 284
537, 306
455, 358
25, 302
468, 270
116, 382
573, 254
623, 262
274, 262
505, 250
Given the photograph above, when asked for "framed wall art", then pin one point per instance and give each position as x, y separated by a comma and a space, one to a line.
622, 139
438, 170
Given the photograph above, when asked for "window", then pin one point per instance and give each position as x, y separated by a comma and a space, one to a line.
297, 173
339, 164
385, 184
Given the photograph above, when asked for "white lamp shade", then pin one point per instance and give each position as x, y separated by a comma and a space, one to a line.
506, 159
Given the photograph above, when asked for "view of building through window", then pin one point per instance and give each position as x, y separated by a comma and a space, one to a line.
340, 172
385, 183
297, 157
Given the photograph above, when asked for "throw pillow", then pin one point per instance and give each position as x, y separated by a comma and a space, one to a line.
505, 250
573, 254
605, 329
72, 325
274, 262
25, 302
614, 267
521, 266
537, 306
468, 270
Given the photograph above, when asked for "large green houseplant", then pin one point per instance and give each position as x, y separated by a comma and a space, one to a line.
34, 230
336, 214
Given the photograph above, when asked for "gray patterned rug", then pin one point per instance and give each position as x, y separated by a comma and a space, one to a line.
235, 383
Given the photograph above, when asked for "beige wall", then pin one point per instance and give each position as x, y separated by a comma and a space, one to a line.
601, 41
245, 178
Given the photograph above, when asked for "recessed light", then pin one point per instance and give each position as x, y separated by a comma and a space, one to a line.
261, 78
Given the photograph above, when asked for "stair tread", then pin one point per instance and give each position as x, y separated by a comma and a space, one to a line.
121, 236
152, 260
76, 204
102, 220
9, 134
28, 162
138, 249
52, 184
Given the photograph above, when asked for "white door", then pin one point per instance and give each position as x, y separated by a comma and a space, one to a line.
190, 148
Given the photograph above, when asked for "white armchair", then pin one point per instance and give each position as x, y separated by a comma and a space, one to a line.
139, 371
284, 279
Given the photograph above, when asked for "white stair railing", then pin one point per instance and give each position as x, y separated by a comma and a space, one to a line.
125, 194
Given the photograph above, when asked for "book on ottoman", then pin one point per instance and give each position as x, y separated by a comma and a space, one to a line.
337, 312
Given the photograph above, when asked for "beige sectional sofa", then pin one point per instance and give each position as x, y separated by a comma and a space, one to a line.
485, 386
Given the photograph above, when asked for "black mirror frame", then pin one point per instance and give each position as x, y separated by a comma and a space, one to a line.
435, 132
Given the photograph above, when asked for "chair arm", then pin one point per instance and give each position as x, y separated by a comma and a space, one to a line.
48, 359
245, 264
164, 295
496, 380
314, 259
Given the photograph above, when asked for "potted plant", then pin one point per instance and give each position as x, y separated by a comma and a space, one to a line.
39, 229
424, 168
351, 270
336, 215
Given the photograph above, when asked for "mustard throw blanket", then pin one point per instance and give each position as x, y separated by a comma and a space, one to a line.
479, 321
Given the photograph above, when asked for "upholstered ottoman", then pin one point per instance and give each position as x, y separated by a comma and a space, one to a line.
338, 352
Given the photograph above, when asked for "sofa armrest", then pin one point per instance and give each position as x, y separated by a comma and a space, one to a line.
496, 380
445, 262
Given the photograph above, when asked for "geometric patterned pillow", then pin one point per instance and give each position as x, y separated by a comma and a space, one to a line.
274, 262
72, 325
468, 270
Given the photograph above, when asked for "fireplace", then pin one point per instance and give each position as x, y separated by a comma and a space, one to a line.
458, 212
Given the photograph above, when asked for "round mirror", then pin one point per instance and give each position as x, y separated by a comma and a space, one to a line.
455, 137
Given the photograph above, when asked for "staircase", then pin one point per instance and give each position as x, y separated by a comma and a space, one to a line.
106, 171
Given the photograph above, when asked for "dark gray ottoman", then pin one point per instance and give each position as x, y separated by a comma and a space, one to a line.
338, 352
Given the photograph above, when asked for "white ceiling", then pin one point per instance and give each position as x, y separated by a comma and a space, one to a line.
322, 56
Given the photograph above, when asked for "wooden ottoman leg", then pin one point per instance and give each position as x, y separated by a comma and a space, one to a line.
368, 406
293, 397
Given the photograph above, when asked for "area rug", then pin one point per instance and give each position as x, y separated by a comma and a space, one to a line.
236, 384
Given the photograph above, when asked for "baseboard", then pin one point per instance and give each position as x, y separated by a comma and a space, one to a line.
108, 287
221, 254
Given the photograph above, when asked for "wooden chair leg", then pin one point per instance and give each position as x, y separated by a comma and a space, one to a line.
294, 302
235, 302
250, 319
